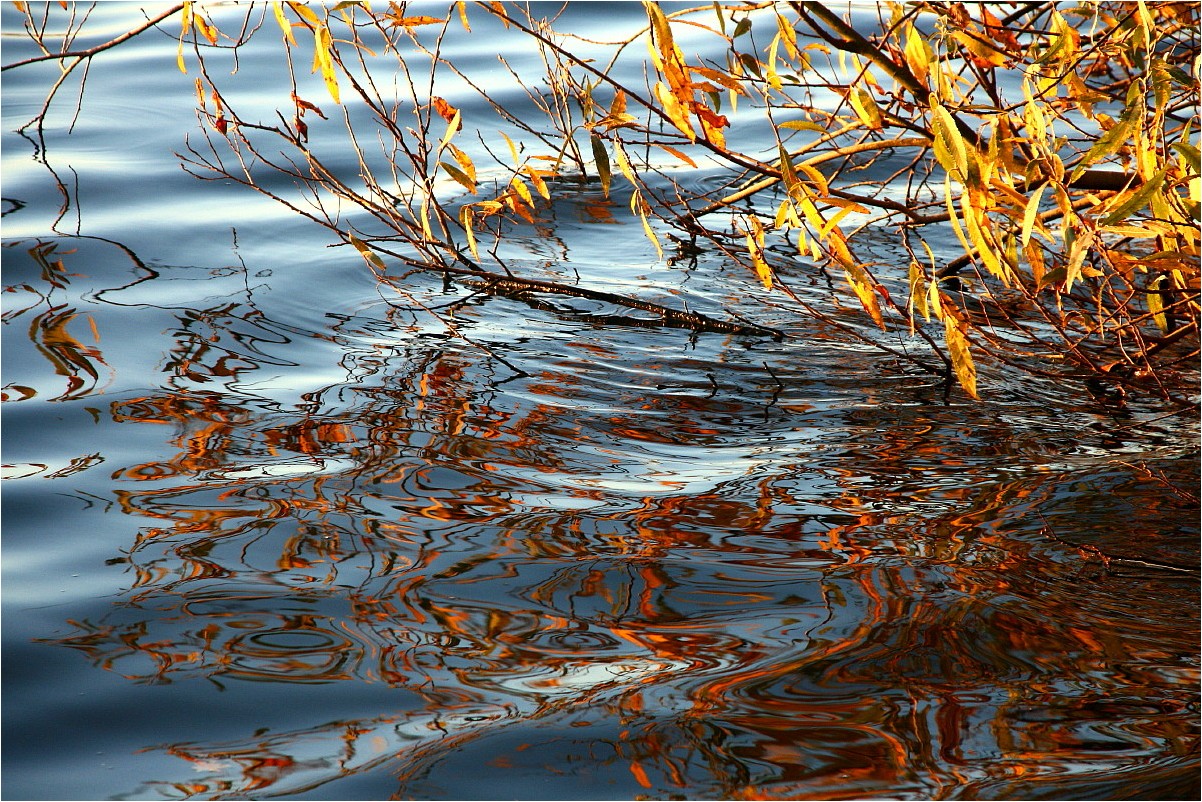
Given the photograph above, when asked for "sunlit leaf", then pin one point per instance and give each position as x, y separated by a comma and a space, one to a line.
918, 294
1156, 303
452, 128
446, 110
1137, 200
675, 111
755, 249
677, 154
624, 163
866, 108
413, 22
513, 151
536, 178
816, 176
918, 55
467, 220
185, 24
367, 252
460, 176
281, 21
323, 53
803, 125
523, 191
1030, 214
464, 162
788, 36
305, 13
986, 55
950, 148
601, 158
636, 202
958, 351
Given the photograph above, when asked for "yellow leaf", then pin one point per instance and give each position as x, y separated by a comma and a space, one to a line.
788, 36
857, 277
955, 218
958, 351
513, 151
918, 294
185, 24
755, 249
283, 23
452, 127
460, 176
522, 190
464, 161
367, 252
489, 207
624, 163
850, 206
950, 148
305, 13
977, 223
207, 30
1029, 215
536, 178
468, 221
918, 55
933, 299
462, 6
601, 157
816, 176
323, 47
866, 108
636, 202
676, 112
861, 283
659, 24
770, 73
812, 215
803, 125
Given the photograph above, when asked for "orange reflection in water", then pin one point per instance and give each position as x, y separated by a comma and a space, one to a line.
751, 640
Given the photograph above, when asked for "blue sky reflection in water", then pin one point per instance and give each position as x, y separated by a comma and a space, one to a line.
267, 535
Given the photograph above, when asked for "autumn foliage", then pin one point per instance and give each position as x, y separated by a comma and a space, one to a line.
1054, 147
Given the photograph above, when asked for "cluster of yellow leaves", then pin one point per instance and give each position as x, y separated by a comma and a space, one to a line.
678, 92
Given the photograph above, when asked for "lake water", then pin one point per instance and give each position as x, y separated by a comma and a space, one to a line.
267, 534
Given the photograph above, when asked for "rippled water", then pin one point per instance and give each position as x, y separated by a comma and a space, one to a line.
262, 541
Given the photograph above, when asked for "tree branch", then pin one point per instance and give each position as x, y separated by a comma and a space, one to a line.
92, 51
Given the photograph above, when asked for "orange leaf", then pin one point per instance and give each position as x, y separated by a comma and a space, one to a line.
444, 109
412, 22
304, 104
706, 114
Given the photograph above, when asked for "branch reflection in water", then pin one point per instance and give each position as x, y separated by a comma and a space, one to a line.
587, 575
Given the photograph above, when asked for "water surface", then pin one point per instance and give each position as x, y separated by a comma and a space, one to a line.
262, 541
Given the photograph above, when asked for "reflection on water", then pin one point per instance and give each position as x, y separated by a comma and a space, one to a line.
652, 566
306, 543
